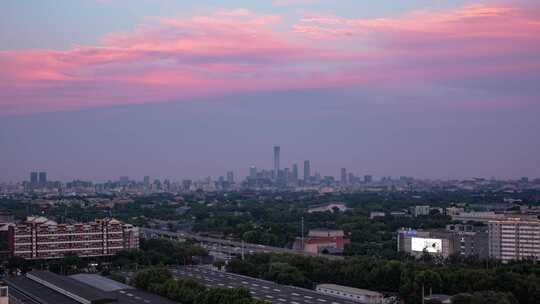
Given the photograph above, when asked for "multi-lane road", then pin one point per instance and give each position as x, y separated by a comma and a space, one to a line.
259, 289
225, 246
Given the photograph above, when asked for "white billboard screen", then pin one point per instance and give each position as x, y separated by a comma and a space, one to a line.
429, 245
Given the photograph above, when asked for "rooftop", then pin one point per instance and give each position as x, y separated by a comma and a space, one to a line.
100, 282
27, 288
72, 288
49, 288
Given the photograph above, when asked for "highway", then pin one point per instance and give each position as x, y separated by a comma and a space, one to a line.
259, 289
226, 246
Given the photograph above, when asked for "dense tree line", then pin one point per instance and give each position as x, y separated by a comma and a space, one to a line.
159, 252
161, 281
401, 276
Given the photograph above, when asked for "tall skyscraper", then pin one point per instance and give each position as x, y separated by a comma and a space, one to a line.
33, 178
230, 177
146, 180
277, 151
368, 178
42, 178
343, 176
253, 172
295, 172
307, 170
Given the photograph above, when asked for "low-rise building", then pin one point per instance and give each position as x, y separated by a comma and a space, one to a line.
41, 238
43, 287
375, 214
351, 293
322, 241
327, 207
454, 210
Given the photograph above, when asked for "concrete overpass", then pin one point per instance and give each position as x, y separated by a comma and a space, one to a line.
224, 247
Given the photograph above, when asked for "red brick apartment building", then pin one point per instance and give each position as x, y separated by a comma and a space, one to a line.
40, 238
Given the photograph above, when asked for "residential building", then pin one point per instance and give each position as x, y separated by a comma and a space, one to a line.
514, 239
351, 294
484, 216
40, 238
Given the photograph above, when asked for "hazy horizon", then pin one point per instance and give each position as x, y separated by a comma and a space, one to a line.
97, 89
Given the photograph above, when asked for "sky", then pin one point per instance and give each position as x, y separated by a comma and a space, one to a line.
96, 89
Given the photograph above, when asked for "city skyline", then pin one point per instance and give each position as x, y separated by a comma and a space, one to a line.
343, 174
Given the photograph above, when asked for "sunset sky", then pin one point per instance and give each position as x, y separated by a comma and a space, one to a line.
94, 89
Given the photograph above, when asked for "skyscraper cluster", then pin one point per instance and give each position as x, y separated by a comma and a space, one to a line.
279, 176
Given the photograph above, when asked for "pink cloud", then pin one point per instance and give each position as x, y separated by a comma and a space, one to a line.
240, 51
292, 2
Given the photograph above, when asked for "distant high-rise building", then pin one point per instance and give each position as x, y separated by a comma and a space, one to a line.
167, 185
230, 177
42, 178
343, 176
286, 175
307, 170
146, 180
252, 172
186, 184
124, 180
33, 178
277, 151
368, 178
352, 178
295, 172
